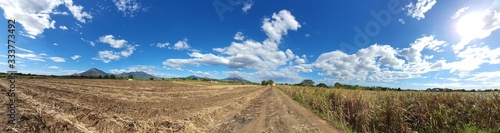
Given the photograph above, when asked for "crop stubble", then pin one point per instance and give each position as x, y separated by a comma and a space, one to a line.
89, 105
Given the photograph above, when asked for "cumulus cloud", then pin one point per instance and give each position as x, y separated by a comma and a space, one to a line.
107, 56
128, 7
418, 9
57, 59
473, 57
75, 57
248, 54
380, 62
62, 27
77, 12
181, 45
109, 39
459, 12
413, 53
279, 24
128, 51
34, 16
239, 36
247, 6
162, 45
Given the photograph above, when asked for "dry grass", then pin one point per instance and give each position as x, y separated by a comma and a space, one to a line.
384, 111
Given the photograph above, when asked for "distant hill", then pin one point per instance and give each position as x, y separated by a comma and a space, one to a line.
137, 74
93, 72
197, 77
235, 78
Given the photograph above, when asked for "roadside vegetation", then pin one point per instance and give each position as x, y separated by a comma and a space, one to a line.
362, 110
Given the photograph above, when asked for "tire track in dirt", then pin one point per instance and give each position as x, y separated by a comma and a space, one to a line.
275, 112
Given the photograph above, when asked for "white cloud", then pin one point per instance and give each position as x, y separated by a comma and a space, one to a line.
279, 24
128, 51
113, 42
127, 7
57, 59
162, 45
92, 43
77, 12
55, 44
413, 53
402, 21
25, 50
53, 67
380, 62
239, 36
181, 45
62, 27
248, 54
459, 12
473, 57
34, 16
31, 56
75, 57
418, 9
485, 76
247, 6
107, 56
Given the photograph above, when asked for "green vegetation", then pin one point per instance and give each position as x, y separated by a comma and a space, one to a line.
406, 111
267, 82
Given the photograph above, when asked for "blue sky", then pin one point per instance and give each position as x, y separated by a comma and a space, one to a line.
394, 43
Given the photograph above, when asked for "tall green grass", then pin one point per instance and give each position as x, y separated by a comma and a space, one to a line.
389, 111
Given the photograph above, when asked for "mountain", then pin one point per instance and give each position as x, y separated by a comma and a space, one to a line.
235, 78
137, 74
93, 72
197, 77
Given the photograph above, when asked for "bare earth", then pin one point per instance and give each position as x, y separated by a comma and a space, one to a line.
76, 105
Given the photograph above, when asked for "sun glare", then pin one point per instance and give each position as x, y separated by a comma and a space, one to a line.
471, 25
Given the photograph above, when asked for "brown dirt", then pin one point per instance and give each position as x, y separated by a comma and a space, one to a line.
76, 105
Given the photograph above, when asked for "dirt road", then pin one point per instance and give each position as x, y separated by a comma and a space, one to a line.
71, 105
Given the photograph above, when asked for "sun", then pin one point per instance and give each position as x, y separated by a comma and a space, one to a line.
471, 25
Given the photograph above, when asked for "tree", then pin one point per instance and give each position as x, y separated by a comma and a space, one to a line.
100, 76
323, 85
267, 82
112, 76
337, 85
130, 76
106, 77
162, 78
307, 82
151, 78
270, 82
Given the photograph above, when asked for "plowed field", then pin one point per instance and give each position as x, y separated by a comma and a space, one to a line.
89, 105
